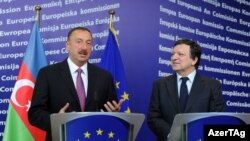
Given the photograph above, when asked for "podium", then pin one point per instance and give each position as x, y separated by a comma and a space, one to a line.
96, 126
190, 126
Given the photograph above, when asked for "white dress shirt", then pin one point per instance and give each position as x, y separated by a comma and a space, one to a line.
73, 71
189, 82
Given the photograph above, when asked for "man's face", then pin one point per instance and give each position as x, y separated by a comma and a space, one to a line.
181, 60
79, 46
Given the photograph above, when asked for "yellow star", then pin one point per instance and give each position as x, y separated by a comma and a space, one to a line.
117, 85
111, 134
128, 110
99, 131
87, 135
125, 96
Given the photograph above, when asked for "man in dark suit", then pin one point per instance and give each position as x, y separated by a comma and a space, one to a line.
203, 94
55, 88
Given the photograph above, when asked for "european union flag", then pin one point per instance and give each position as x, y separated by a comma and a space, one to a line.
109, 128
112, 62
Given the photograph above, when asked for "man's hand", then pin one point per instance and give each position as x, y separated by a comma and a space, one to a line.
64, 108
114, 106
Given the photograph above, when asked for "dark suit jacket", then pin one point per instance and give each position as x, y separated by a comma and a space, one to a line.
205, 96
55, 87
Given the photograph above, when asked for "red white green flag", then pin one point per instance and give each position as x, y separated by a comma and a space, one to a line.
17, 127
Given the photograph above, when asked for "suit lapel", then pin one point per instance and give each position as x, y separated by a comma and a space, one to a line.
65, 73
173, 92
91, 83
195, 90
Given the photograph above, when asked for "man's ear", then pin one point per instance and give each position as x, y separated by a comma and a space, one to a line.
67, 46
195, 61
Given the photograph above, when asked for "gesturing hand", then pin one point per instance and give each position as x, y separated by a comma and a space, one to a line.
64, 108
114, 106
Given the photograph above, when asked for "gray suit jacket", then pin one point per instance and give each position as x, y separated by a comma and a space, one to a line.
205, 96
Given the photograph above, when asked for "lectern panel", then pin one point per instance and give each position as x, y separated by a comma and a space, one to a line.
97, 128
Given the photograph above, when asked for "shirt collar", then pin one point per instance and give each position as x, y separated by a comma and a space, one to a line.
190, 76
74, 67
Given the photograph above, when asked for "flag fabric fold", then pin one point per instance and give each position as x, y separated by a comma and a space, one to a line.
112, 62
17, 127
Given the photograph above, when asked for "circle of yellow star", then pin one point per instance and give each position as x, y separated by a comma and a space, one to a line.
117, 85
125, 96
87, 135
111, 134
99, 132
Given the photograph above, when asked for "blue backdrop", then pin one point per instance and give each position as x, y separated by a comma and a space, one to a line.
146, 32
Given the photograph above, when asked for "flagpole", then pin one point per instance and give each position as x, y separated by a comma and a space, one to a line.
38, 9
111, 14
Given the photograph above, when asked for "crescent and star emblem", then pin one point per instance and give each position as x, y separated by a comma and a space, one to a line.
19, 84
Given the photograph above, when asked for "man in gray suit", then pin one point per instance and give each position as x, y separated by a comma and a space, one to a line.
203, 93
55, 88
